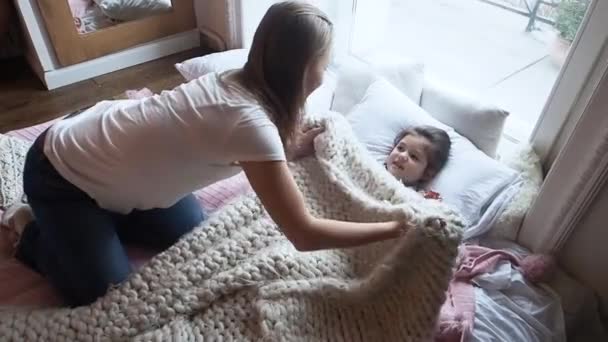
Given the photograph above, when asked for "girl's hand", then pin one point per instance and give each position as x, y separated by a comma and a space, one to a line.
304, 142
429, 194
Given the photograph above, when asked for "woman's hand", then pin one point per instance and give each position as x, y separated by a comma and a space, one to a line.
285, 204
304, 142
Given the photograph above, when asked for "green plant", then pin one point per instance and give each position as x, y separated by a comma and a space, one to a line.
570, 14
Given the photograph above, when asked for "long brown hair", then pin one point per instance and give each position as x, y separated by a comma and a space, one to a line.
289, 38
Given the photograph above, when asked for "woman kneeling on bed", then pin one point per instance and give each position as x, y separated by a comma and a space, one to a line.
124, 170
419, 153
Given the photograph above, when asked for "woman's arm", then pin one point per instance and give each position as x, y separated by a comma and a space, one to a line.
274, 185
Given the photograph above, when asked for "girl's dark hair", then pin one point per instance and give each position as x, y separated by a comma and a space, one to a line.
440, 144
289, 38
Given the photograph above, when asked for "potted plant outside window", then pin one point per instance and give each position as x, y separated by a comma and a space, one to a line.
569, 15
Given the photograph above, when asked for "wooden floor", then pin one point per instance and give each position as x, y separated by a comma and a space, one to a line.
24, 101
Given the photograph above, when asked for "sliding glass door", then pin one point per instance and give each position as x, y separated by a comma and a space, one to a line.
508, 52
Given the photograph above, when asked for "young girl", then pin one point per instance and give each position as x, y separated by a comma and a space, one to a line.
124, 170
419, 153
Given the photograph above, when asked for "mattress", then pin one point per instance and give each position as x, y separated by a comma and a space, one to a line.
510, 308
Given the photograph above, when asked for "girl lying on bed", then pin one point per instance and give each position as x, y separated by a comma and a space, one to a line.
418, 154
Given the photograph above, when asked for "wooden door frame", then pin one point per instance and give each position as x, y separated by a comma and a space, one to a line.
72, 47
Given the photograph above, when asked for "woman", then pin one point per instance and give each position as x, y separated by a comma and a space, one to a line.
123, 171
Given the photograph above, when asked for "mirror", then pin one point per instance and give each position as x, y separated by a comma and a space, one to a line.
92, 15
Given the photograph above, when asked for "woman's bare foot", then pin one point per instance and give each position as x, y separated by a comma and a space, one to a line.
14, 220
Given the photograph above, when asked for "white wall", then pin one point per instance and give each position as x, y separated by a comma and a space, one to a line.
585, 254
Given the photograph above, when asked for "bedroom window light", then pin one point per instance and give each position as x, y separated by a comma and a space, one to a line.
508, 52
340, 12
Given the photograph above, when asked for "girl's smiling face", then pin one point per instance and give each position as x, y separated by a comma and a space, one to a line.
408, 160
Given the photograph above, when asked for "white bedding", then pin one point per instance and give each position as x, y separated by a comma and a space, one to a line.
505, 213
495, 209
509, 308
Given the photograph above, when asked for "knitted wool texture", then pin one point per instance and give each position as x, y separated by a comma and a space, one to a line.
12, 159
236, 277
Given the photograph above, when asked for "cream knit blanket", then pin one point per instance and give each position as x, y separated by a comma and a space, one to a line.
236, 277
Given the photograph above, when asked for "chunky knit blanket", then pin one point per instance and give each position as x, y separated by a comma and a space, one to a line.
236, 277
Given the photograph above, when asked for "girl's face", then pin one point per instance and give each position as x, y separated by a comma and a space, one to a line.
408, 160
314, 73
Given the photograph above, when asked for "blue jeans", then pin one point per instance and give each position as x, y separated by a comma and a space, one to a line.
79, 245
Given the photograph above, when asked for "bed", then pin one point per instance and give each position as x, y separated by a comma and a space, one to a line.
490, 298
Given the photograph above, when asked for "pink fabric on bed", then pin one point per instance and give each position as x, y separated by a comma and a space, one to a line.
457, 317
457, 314
477, 260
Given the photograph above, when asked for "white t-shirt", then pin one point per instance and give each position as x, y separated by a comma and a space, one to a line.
150, 153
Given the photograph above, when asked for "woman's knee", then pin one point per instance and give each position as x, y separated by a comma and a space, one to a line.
163, 227
185, 214
186, 217
196, 214
82, 281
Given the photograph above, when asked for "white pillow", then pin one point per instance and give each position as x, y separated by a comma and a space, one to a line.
133, 9
355, 76
470, 179
213, 62
319, 101
481, 122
